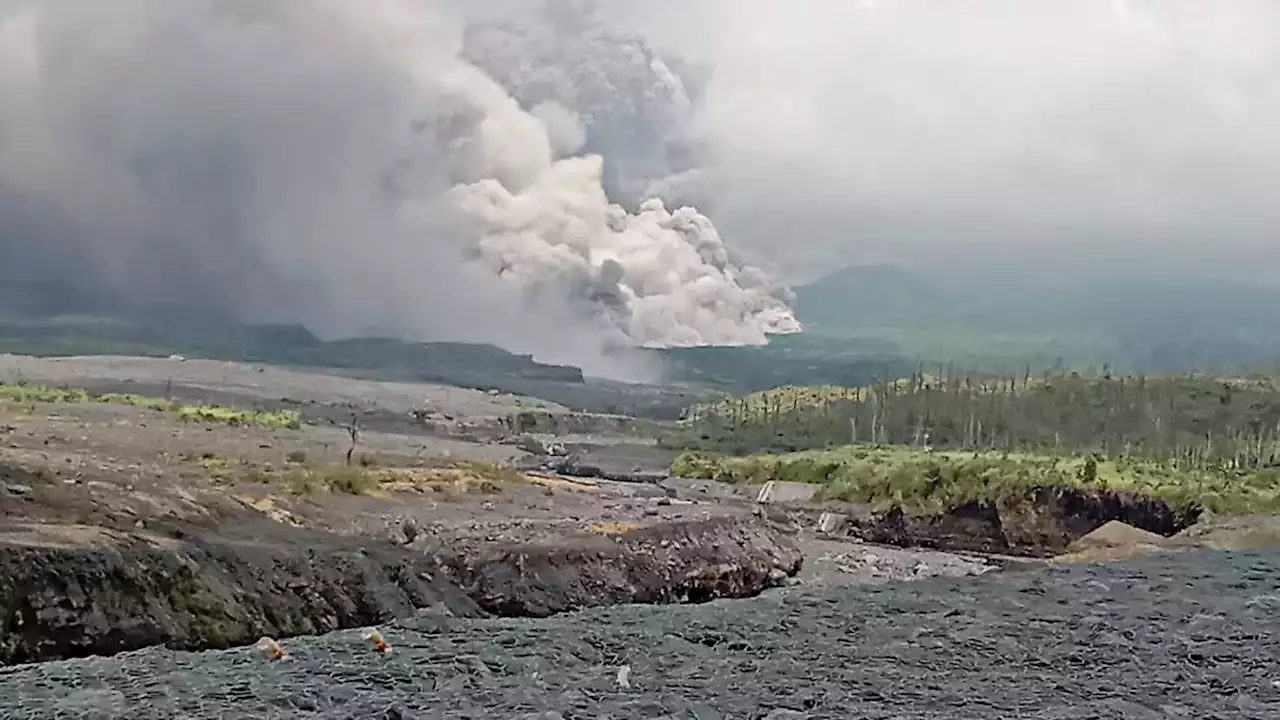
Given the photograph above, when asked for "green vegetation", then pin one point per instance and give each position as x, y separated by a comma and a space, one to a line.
808, 358
473, 477
26, 394
863, 324
335, 478
759, 405
229, 416
933, 442
932, 482
1186, 422
332, 479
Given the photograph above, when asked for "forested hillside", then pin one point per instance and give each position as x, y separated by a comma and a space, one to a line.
1191, 420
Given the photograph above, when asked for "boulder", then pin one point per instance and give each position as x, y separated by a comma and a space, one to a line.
832, 523
681, 561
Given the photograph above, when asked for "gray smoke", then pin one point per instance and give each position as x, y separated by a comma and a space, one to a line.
337, 164
636, 108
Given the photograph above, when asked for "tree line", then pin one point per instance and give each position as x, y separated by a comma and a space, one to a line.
1191, 421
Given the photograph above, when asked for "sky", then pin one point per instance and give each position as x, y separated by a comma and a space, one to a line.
990, 130
491, 170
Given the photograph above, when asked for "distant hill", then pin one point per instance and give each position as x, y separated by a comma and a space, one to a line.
1142, 321
478, 366
860, 297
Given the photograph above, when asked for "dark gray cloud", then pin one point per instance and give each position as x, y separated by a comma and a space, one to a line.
634, 106
336, 164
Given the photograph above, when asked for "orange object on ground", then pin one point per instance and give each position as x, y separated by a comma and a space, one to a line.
376, 640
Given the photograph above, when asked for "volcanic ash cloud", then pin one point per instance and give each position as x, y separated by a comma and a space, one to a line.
660, 277
338, 164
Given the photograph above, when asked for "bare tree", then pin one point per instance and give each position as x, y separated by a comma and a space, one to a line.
353, 430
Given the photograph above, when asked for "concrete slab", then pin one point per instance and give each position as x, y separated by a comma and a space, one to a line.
776, 491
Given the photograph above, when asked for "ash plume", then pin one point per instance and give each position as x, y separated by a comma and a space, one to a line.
636, 104
337, 164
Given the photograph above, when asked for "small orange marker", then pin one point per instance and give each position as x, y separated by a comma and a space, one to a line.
271, 649
376, 640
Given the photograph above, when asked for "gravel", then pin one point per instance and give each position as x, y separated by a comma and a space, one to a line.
1194, 635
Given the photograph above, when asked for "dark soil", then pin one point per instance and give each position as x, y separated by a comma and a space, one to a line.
1041, 523
688, 561
72, 591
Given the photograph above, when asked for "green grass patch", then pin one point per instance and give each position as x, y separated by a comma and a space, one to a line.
491, 471
207, 460
24, 393
340, 479
471, 477
285, 419
933, 482
760, 404
27, 394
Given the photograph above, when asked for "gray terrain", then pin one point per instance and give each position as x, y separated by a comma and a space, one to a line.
536, 568
1178, 636
117, 465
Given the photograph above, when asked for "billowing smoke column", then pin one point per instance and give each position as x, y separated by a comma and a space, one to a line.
635, 107
665, 276
338, 164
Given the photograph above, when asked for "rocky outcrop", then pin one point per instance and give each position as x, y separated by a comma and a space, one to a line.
1039, 522
685, 561
104, 592
75, 591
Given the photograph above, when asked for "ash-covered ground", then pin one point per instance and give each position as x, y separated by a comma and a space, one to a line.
117, 466
1180, 635
1193, 636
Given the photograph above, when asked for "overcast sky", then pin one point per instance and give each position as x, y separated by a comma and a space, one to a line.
904, 128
